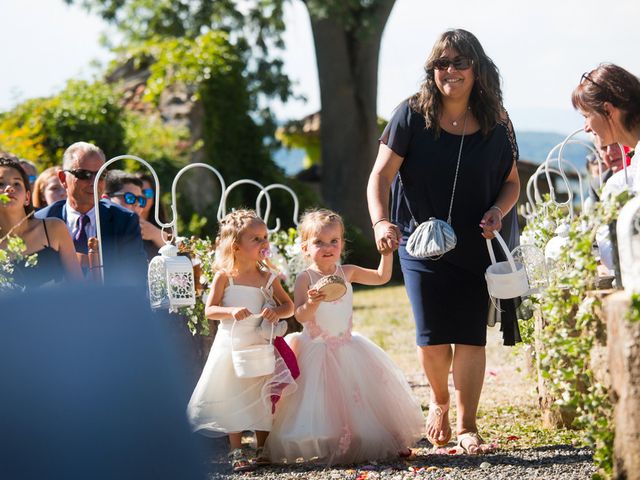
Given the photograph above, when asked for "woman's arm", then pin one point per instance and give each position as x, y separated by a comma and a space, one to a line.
507, 198
66, 249
369, 276
150, 232
384, 170
284, 310
306, 301
213, 310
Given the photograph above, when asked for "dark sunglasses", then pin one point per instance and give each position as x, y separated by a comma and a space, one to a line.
148, 193
82, 174
585, 76
130, 198
459, 63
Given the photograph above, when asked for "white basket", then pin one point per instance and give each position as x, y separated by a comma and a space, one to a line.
253, 360
505, 279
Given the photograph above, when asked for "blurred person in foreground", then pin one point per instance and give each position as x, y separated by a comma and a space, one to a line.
89, 394
124, 261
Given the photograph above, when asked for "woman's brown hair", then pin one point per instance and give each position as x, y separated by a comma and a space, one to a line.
613, 84
486, 97
40, 184
8, 160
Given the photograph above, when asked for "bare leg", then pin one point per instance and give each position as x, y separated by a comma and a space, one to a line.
436, 362
468, 376
235, 440
261, 437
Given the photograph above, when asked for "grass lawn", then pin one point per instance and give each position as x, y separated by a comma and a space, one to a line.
509, 410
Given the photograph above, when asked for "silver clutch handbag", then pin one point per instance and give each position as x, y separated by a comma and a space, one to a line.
433, 238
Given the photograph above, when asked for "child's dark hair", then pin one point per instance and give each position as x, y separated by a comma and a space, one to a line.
11, 161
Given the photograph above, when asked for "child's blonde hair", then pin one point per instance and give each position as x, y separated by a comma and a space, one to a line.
230, 229
314, 220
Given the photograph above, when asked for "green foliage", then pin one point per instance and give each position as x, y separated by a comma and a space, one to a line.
85, 111
40, 129
572, 326
12, 253
633, 315
255, 29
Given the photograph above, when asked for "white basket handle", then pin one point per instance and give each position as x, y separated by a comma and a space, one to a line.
505, 248
253, 315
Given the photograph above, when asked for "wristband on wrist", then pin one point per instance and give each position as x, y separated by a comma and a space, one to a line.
498, 209
383, 219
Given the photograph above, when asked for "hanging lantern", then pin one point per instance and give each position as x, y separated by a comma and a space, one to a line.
554, 246
171, 283
534, 264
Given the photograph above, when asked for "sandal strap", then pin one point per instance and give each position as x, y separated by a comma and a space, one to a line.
439, 408
468, 439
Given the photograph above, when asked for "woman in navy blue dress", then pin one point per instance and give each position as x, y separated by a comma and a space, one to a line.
456, 116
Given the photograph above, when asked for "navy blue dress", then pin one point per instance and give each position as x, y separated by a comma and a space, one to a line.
448, 296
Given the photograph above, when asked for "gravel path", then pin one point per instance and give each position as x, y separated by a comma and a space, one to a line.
560, 462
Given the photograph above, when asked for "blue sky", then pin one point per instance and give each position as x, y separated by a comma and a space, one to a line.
541, 48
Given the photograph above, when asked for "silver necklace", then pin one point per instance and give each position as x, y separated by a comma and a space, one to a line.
455, 122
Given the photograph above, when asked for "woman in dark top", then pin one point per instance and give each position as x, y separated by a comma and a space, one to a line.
457, 114
49, 238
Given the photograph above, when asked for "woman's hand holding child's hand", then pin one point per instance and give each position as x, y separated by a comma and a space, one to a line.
240, 313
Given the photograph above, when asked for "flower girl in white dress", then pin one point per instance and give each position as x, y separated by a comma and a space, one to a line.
352, 403
222, 403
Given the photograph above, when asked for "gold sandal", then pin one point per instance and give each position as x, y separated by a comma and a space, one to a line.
436, 414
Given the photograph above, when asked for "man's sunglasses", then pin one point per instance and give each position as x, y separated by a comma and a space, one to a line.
459, 63
148, 193
82, 174
130, 198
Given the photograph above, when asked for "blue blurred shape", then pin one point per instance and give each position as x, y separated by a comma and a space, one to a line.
91, 389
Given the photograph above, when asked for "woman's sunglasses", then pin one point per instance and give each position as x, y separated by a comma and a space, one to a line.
459, 63
148, 193
130, 198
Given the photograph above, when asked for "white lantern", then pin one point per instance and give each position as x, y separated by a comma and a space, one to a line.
554, 246
171, 283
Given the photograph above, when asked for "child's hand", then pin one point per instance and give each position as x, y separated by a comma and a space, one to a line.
240, 313
269, 315
314, 297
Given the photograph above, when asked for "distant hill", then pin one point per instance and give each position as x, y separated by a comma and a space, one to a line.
534, 146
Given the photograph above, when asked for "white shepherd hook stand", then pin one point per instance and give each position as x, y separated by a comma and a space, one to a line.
173, 224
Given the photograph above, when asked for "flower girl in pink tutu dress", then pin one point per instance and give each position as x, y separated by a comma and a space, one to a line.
352, 404
223, 403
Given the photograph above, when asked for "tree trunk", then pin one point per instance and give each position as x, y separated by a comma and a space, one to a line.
348, 74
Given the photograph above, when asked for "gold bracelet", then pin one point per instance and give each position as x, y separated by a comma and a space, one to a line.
383, 219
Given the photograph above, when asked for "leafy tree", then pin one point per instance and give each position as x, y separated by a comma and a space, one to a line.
40, 129
347, 35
